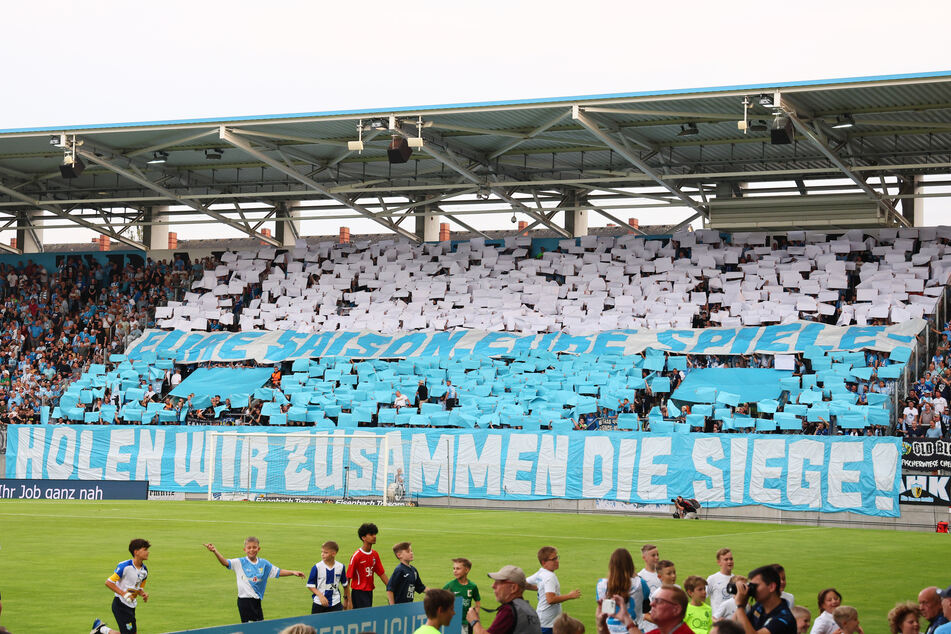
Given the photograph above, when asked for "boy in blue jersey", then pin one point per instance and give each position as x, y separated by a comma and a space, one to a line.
405, 583
252, 574
127, 582
327, 578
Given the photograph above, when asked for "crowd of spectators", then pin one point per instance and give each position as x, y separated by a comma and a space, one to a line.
54, 324
925, 413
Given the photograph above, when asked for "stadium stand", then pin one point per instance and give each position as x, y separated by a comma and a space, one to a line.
66, 330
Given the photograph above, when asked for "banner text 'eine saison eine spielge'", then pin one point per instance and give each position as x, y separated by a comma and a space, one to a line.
275, 346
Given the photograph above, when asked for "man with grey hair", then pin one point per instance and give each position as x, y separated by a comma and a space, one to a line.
515, 615
929, 602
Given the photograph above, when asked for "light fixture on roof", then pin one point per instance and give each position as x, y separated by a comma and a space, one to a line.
417, 141
399, 150
781, 132
158, 158
766, 100
357, 146
759, 125
843, 121
688, 129
72, 165
214, 154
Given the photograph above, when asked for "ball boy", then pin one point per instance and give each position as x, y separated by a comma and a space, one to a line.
127, 583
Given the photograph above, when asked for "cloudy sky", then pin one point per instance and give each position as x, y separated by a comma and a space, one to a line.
105, 61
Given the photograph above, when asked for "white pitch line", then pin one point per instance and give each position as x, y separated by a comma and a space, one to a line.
397, 526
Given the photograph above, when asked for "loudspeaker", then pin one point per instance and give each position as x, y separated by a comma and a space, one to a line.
72, 170
781, 132
399, 150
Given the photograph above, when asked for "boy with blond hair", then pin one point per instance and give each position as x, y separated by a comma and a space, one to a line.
546, 583
328, 582
847, 618
462, 587
252, 573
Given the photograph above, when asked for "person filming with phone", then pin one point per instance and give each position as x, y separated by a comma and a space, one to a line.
769, 614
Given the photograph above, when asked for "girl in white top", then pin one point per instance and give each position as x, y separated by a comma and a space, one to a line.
622, 581
829, 600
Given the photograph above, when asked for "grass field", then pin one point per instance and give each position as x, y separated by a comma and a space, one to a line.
55, 556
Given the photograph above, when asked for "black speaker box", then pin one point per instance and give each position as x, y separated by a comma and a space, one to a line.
399, 151
72, 170
781, 132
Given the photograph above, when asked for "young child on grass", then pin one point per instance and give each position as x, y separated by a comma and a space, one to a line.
405, 582
252, 573
699, 616
565, 624
439, 606
803, 619
717, 582
328, 582
363, 565
847, 618
546, 583
127, 582
462, 587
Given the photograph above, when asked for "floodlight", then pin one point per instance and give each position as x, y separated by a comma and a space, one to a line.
688, 129
157, 158
214, 154
843, 121
72, 166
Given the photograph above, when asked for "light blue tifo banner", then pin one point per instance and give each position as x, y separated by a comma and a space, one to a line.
391, 619
273, 346
811, 473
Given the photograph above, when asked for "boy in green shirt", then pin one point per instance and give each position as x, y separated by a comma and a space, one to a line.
460, 586
439, 606
699, 616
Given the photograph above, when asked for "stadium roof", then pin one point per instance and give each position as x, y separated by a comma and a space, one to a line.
538, 158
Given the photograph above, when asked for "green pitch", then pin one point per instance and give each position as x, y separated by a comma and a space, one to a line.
55, 556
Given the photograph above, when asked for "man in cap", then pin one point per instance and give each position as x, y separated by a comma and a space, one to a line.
935, 605
515, 615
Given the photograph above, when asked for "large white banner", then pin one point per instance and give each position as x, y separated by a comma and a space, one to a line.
818, 473
271, 347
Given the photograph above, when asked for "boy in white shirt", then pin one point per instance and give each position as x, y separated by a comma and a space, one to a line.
546, 583
717, 582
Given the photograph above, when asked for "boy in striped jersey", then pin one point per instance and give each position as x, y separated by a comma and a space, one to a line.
327, 578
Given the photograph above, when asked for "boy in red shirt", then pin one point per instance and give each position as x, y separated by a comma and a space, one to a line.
363, 565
